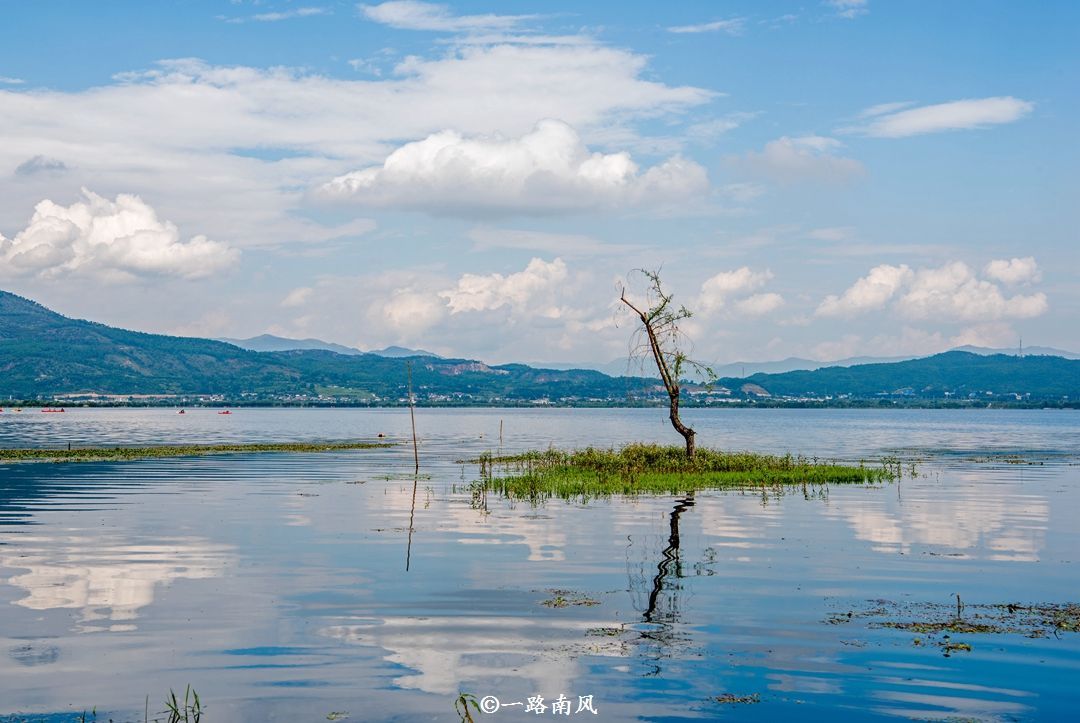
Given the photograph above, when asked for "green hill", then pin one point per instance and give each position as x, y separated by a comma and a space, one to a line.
44, 355
953, 374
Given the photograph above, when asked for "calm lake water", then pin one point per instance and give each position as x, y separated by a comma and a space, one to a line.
292, 587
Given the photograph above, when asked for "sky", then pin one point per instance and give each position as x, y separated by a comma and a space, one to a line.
822, 179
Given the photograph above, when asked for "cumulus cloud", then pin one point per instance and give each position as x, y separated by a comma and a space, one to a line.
719, 289
485, 293
759, 304
951, 293
115, 240
411, 310
1013, 271
549, 169
956, 115
234, 149
734, 26
415, 15
806, 158
870, 292
543, 310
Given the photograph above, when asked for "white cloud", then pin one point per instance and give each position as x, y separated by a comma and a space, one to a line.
484, 293
955, 115
993, 335
759, 304
733, 26
8, 80
548, 169
718, 289
807, 158
953, 292
273, 17
114, 240
1013, 271
708, 131
410, 311
415, 15
870, 292
297, 297
950, 293
884, 108
849, 8
233, 149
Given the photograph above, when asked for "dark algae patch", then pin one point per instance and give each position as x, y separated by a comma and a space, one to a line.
121, 454
935, 625
732, 699
643, 468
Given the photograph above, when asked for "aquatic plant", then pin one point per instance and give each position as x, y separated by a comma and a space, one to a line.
121, 454
190, 711
648, 468
461, 707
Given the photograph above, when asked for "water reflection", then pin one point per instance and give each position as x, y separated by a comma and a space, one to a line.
108, 581
447, 654
388, 597
976, 520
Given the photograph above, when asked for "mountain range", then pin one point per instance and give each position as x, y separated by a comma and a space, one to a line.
46, 356
269, 342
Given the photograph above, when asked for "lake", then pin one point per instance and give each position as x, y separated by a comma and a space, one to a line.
297, 587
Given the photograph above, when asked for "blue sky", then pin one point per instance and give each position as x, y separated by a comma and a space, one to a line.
820, 179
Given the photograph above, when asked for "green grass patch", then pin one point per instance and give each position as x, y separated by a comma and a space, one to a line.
121, 454
643, 468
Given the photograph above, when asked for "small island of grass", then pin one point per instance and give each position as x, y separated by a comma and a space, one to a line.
644, 468
120, 454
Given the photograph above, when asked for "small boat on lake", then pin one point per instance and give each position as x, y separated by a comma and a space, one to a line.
49, 410
225, 412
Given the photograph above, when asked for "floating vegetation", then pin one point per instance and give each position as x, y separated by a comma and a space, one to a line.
731, 698
567, 598
939, 622
604, 632
337, 715
645, 468
123, 454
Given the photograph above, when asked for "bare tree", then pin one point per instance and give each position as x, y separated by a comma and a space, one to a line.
664, 341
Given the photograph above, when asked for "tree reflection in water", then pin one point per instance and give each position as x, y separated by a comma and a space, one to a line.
659, 633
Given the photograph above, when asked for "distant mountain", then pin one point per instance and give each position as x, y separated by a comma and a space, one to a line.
400, 352
1028, 351
952, 374
44, 354
269, 342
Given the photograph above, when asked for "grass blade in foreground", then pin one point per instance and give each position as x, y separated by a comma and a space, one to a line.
642, 468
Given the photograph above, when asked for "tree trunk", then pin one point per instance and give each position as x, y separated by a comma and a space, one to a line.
676, 422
